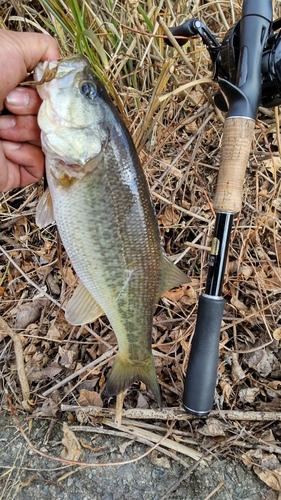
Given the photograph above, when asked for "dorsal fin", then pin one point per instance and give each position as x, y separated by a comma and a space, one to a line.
172, 276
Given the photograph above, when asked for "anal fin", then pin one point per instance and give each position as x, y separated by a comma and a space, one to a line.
82, 308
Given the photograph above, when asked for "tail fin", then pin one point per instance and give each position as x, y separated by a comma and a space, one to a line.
124, 372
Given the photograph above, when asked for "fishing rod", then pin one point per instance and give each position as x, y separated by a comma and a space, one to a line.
247, 66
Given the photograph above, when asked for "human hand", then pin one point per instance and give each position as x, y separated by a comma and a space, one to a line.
21, 157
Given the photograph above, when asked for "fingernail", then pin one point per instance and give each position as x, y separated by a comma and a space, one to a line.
18, 98
7, 122
11, 146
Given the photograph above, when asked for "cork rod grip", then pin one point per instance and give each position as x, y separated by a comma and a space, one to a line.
235, 149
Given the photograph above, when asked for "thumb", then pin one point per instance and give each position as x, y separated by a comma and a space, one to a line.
20, 53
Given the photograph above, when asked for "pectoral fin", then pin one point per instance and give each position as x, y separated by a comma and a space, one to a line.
172, 276
44, 210
82, 308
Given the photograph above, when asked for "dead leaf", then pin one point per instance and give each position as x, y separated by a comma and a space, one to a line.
273, 164
249, 394
69, 277
268, 436
52, 370
186, 204
226, 390
213, 427
142, 401
159, 459
92, 351
28, 314
269, 471
90, 398
54, 333
276, 249
123, 446
251, 457
72, 448
272, 284
274, 384
263, 361
178, 294
240, 306
48, 409
88, 384
53, 283
198, 97
246, 271
30, 349
170, 217
277, 334
68, 356
266, 466
237, 373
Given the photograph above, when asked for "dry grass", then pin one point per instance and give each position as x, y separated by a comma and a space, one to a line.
177, 132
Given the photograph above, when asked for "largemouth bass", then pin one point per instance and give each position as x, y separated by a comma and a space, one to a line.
99, 198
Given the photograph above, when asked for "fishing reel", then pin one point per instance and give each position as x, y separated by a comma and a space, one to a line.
225, 58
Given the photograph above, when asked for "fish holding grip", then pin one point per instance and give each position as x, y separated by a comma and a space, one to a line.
246, 65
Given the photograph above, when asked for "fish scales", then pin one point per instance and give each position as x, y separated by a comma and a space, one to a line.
100, 200
122, 251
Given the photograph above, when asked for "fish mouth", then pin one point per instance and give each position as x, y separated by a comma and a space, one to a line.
66, 68
63, 73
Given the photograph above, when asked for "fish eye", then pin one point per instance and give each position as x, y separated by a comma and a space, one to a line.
89, 89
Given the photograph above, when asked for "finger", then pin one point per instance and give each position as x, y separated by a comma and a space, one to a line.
20, 53
20, 129
17, 176
23, 101
5, 173
24, 165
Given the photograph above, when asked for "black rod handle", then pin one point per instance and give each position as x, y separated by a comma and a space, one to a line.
201, 375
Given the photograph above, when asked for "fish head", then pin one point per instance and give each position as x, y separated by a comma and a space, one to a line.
72, 115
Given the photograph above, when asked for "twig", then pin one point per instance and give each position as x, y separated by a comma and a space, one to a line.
217, 488
96, 362
20, 363
186, 59
246, 318
106, 355
185, 86
128, 435
195, 245
28, 279
185, 476
58, 304
129, 28
174, 42
118, 408
153, 437
176, 414
181, 209
271, 448
75, 462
